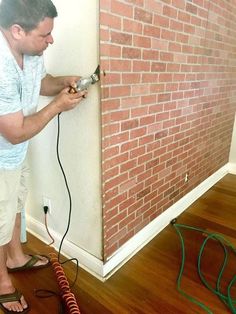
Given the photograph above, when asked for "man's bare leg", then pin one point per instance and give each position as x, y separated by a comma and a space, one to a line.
15, 254
6, 286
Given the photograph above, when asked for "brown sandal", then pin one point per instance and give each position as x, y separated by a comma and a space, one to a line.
30, 265
11, 297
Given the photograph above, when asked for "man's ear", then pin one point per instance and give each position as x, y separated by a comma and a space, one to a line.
17, 31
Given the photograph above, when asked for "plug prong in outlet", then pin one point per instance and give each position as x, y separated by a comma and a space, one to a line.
47, 202
186, 178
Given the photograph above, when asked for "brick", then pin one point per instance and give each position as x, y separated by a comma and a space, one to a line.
158, 67
135, 172
152, 163
113, 230
153, 6
111, 151
142, 41
176, 26
167, 57
137, 112
104, 35
105, 5
128, 146
141, 66
124, 223
160, 20
148, 99
136, 2
112, 78
159, 44
170, 11
129, 124
144, 158
137, 152
142, 15
165, 77
150, 54
111, 129
161, 134
131, 164
164, 97
140, 90
130, 102
121, 38
184, 17
180, 4
191, 8
157, 88
143, 193
110, 20
120, 66
121, 9
149, 77
110, 104
116, 139
147, 120
138, 132
167, 35
108, 174
116, 159
131, 26
175, 47
151, 31
131, 53
110, 50
120, 91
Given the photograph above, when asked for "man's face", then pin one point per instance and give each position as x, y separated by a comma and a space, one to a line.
36, 41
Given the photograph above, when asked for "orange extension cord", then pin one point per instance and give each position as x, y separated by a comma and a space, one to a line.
66, 294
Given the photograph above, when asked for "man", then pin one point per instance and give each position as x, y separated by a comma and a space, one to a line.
25, 32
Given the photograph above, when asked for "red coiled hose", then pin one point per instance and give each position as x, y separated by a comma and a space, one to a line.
67, 296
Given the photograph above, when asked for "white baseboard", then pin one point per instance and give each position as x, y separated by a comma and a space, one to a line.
86, 260
104, 270
232, 167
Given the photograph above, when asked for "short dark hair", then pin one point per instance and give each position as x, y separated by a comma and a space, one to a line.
26, 13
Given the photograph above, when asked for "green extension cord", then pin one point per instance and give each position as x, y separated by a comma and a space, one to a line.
225, 298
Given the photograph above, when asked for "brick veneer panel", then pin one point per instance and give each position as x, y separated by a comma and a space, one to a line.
168, 104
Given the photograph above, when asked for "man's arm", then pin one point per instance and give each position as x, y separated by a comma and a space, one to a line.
51, 86
17, 128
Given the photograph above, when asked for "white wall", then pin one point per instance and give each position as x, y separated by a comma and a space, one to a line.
74, 52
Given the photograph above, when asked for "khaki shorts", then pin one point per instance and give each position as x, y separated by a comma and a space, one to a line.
13, 192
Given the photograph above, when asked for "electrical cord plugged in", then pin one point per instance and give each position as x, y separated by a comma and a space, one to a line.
46, 209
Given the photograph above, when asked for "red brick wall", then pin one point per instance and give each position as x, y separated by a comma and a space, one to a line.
168, 103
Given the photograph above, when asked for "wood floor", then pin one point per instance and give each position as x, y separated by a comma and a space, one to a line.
147, 283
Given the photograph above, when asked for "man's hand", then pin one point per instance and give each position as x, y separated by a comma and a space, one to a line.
71, 81
65, 100
51, 86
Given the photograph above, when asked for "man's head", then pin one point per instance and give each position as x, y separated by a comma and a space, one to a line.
26, 13
28, 24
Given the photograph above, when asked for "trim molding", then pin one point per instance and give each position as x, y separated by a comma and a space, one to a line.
104, 270
232, 167
86, 260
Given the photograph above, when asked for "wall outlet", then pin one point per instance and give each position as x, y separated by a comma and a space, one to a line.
186, 178
47, 202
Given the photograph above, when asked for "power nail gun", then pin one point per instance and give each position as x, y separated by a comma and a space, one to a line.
85, 82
